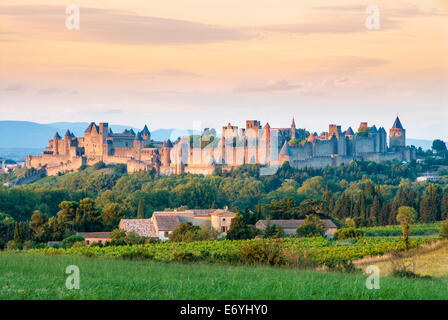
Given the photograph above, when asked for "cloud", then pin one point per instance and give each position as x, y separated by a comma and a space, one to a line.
175, 72
279, 85
52, 91
14, 87
118, 26
331, 24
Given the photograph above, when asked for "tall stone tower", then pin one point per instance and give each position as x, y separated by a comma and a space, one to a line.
397, 135
293, 129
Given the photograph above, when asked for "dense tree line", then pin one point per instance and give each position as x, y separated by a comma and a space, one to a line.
96, 198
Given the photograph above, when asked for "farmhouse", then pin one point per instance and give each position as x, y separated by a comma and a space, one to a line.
290, 226
162, 223
92, 237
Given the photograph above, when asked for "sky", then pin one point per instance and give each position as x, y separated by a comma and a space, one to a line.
173, 64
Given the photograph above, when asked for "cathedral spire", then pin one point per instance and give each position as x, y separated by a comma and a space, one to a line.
293, 124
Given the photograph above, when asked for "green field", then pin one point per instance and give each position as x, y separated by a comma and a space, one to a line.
417, 229
37, 276
320, 250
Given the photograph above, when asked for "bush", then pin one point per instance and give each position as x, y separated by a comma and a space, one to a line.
273, 231
444, 229
264, 252
99, 165
78, 244
96, 244
12, 245
70, 241
311, 227
347, 233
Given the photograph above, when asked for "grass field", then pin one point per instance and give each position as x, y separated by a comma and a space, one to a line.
36, 276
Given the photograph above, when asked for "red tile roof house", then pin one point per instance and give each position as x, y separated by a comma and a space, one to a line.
162, 223
290, 226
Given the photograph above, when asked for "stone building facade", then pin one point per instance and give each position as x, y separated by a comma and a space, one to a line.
201, 154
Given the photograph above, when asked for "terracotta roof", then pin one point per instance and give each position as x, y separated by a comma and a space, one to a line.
312, 138
143, 227
291, 223
93, 234
166, 222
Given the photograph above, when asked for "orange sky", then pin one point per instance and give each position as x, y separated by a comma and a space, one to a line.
169, 63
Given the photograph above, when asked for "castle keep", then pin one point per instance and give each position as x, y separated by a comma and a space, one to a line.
200, 154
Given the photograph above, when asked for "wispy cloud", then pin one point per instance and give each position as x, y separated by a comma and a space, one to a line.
52, 91
14, 87
118, 26
277, 85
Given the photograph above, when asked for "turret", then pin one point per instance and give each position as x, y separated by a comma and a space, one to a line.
285, 154
56, 140
146, 135
397, 135
166, 151
293, 129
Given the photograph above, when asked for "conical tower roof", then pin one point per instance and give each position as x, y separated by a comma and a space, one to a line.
312, 138
349, 132
397, 124
57, 136
145, 130
285, 151
167, 144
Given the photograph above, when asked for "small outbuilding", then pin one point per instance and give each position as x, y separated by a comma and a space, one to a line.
92, 237
290, 226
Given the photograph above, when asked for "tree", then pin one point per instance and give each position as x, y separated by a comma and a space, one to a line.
430, 205
273, 231
374, 211
112, 213
90, 217
444, 213
18, 233
68, 211
343, 206
239, 230
39, 225
438, 145
406, 216
444, 229
185, 232
141, 209
312, 226
350, 223
71, 240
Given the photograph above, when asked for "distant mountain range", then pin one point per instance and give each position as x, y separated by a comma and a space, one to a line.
19, 138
